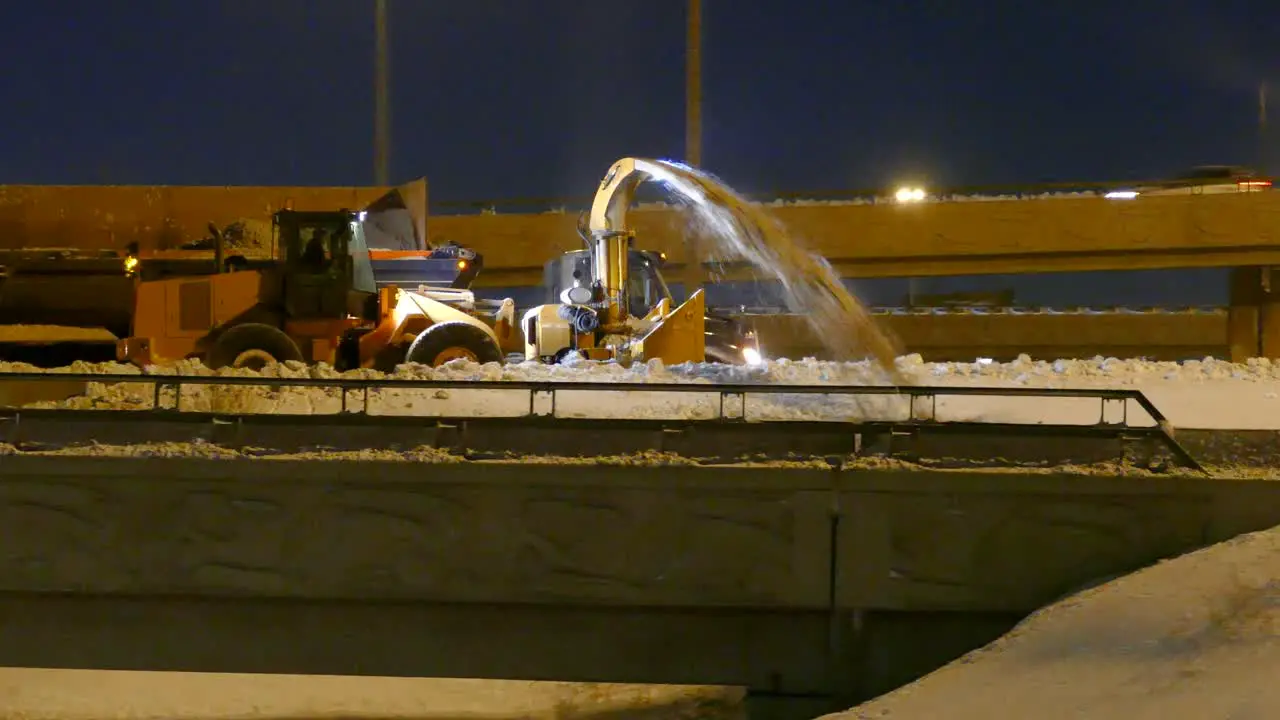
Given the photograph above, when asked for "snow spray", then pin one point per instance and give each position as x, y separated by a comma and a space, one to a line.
739, 230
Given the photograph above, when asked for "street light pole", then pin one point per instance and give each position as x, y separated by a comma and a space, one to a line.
695, 275
1262, 128
693, 85
381, 109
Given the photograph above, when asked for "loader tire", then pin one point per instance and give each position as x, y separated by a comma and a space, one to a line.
253, 346
454, 340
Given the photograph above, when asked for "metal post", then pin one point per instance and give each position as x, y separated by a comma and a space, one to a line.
1262, 128
694, 276
382, 118
693, 85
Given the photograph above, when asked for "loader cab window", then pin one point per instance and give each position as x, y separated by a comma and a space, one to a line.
645, 286
325, 243
362, 277
314, 243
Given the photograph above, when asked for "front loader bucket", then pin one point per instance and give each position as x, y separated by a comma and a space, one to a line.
398, 219
414, 196
680, 336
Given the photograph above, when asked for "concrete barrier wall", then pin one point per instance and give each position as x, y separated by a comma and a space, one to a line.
1001, 336
109, 217
946, 238
578, 572
505, 533
883, 240
611, 536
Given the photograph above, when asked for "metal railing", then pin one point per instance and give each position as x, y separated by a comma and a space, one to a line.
731, 400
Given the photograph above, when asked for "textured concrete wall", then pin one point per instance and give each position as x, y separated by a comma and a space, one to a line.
109, 217
577, 572
445, 533
611, 535
948, 238
961, 336
882, 240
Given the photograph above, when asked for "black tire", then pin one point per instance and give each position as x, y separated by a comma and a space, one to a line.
454, 340
249, 343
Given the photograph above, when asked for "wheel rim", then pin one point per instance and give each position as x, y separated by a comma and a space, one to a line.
253, 360
454, 353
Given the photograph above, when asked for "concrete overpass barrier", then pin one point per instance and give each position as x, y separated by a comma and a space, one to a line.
805, 583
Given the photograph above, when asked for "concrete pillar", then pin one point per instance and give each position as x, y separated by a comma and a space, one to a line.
1269, 320
1253, 317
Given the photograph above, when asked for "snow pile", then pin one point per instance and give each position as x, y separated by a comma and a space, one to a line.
1194, 637
53, 333
39, 694
1209, 393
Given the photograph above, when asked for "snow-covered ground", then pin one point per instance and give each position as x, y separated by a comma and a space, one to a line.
1207, 394
33, 694
1194, 637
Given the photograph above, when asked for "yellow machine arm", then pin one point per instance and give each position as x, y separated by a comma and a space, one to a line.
611, 240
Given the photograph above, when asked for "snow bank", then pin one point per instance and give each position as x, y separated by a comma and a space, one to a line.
1194, 637
1207, 394
53, 333
36, 694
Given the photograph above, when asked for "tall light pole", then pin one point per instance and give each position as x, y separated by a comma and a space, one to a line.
693, 85
381, 103
1262, 128
694, 276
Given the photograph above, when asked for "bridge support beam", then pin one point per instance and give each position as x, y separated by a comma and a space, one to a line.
1253, 319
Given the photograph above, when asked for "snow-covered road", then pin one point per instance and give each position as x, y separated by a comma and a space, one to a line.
1206, 394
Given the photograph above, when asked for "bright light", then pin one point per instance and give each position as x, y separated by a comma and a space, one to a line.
462, 264
751, 356
360, 217
909, 194
1121, 195
130, 264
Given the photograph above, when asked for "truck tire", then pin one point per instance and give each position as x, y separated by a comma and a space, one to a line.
253, 346
454, 340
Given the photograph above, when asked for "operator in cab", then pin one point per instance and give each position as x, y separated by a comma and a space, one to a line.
314, 255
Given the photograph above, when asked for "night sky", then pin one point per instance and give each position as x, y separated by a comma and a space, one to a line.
518, 98
535, 98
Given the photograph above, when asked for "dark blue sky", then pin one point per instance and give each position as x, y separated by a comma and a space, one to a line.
518, 98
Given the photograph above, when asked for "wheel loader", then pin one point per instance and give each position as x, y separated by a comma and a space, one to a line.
316, 300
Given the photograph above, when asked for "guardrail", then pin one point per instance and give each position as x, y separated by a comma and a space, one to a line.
975, 309
730, 404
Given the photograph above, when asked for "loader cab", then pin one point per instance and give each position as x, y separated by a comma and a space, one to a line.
645, 285
325, 267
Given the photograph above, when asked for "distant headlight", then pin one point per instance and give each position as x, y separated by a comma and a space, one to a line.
751, 356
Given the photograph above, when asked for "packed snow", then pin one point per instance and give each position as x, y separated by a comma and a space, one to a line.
1208, 394
53, 333
38, 694
1193, 637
